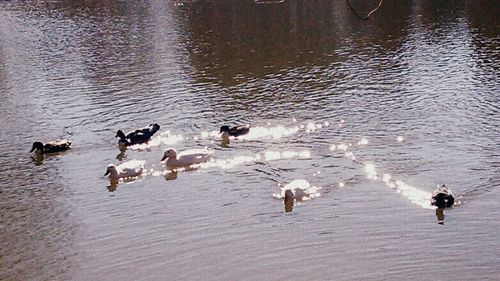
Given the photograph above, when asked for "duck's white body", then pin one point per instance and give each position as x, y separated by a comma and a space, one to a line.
132, 168
301, 189
186, 158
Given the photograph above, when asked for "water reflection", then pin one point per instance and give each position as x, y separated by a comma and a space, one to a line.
423, 69
288, 201
171, 174
37, 159
113, 184
440, 215
165, 138
417, 196
123, 152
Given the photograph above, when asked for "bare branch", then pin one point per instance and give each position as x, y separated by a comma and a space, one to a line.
369, 14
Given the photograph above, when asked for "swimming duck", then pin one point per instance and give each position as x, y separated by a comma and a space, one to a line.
51, 147
300, 189
127, 169
186, 158
235, 131
442, 197
138, 136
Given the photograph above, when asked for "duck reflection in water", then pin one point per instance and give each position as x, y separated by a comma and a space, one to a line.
225, 139
113, 184
171, 175
440, 215
288, 201
122, 155
37, 159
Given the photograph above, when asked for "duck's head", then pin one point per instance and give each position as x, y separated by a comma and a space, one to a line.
120, 134
154, 127
37, 146
224, 129
110, 169
169, 153
443, 189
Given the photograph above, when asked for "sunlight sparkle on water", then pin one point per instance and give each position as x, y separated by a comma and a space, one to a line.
415, 195
270, 132
363, 141
228, 163
342, 146
333, 147
310, 127
400, 139
370, 171
277, 155
386, 178
302, 190
241, 160
165, 138
209, 134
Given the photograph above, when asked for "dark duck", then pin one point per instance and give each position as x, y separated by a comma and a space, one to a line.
235, 131
442, 197
50, 147
138, 136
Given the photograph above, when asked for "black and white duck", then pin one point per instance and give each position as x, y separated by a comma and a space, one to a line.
235, 131
138, 136
442, 197
50, 147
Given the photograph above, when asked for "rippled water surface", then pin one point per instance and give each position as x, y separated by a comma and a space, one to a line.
372, 114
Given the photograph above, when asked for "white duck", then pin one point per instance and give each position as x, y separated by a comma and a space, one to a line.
186, 158
301, 189
127, 169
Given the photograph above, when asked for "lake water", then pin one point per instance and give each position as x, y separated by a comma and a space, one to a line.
376, 113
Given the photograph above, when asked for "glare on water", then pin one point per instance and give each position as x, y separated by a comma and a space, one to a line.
366, 117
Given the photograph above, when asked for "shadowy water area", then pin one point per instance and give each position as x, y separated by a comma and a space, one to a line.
371, 115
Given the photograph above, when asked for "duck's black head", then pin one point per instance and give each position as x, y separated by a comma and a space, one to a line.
224, 129
37, 145
120, 134
154, 128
